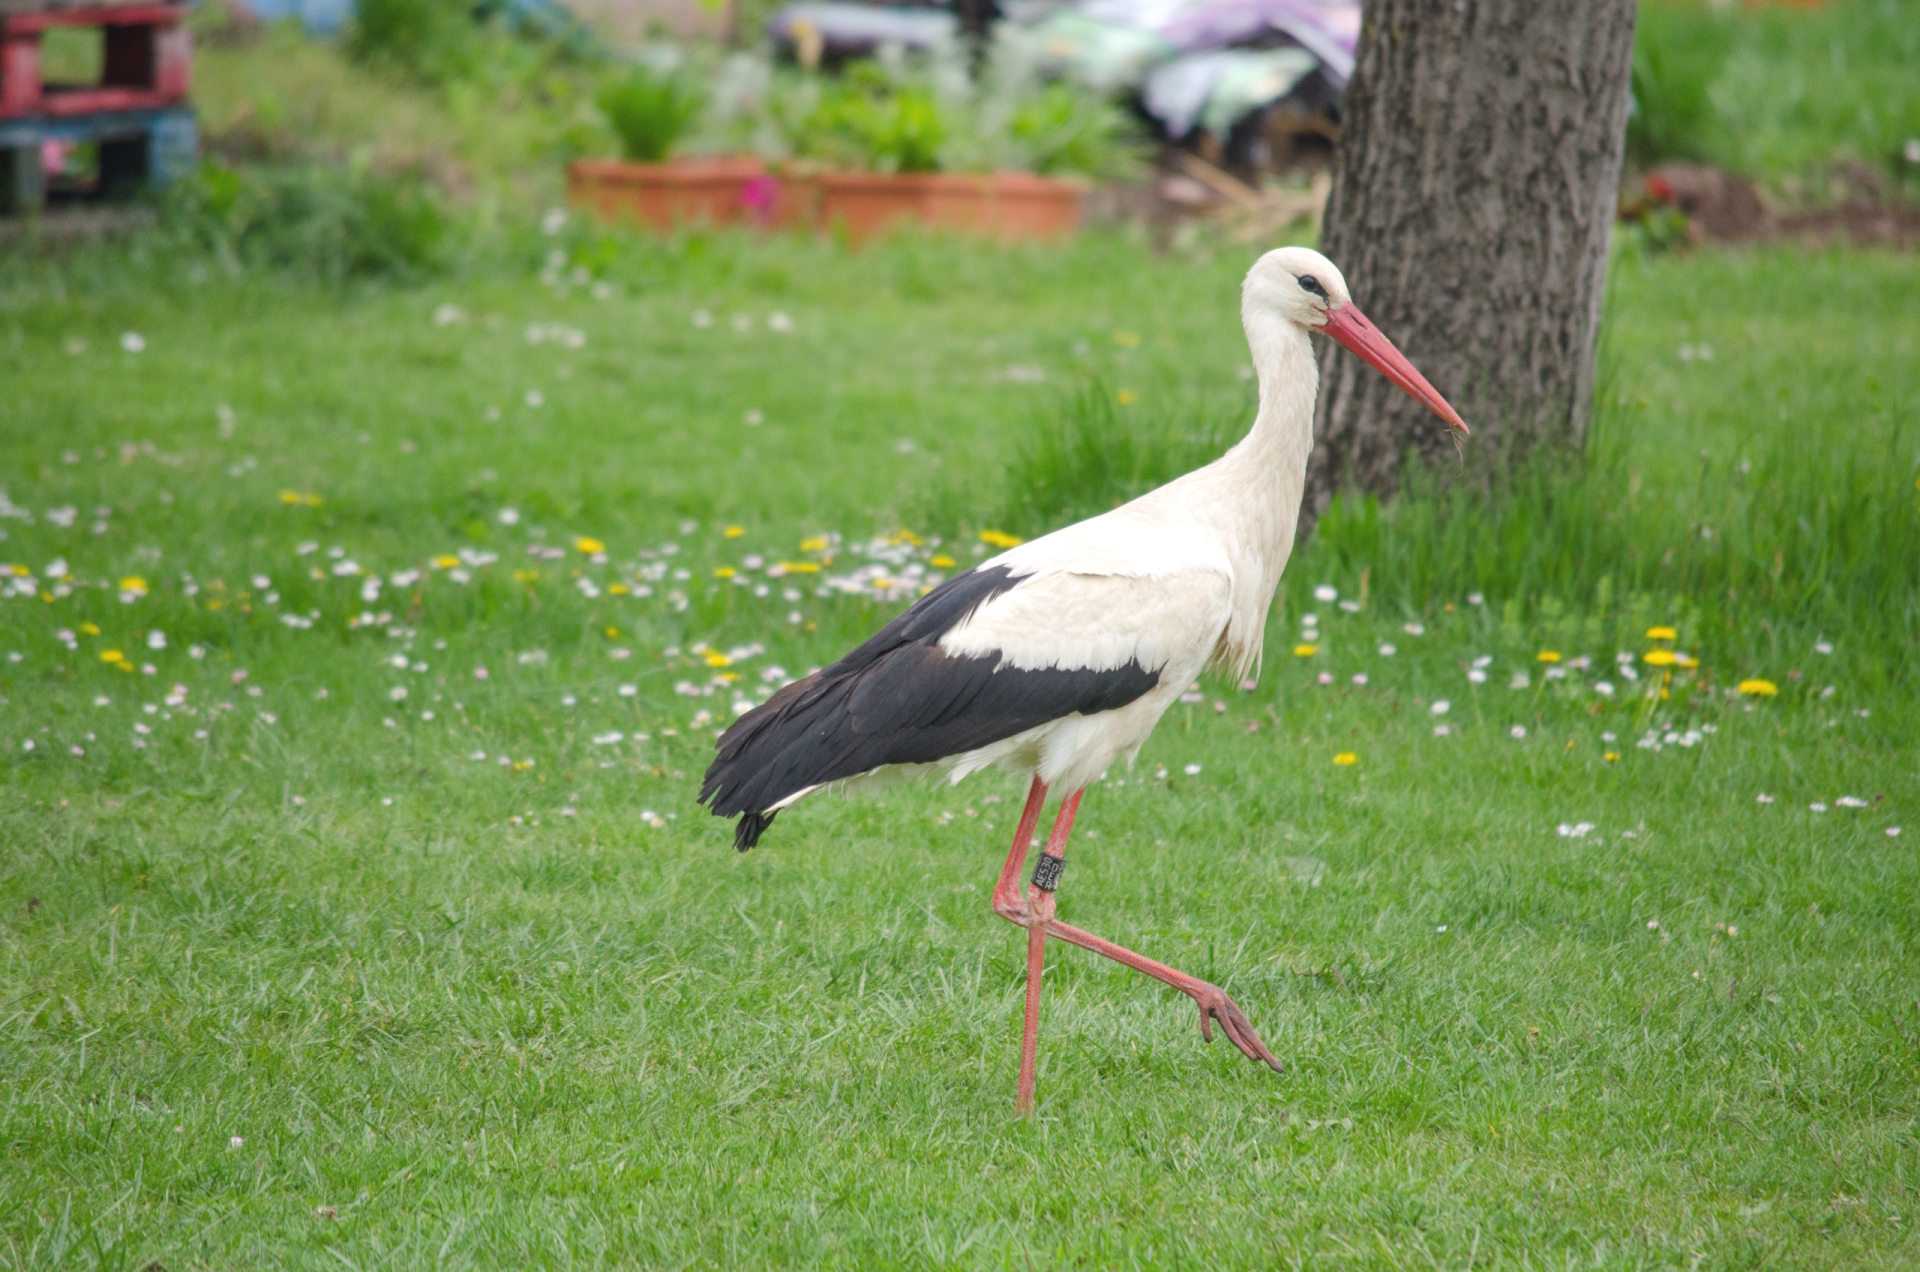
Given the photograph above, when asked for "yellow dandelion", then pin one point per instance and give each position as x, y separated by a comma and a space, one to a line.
1127, 339
1659, 657
941, 562
589, 545
1125, 397
1612, 756
313, 501
1662, 633
612, 632
1000, 539
112, 656
717, 659
135, 584
908, 536
21, 571
800, 567
1759, 688
445, 562
816, 544
734, 532
618, 589
1346, 758
1548, 655
525, 576
1305, 651
88, 629
290, 497
724, 572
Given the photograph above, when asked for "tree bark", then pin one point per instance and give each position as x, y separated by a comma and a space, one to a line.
1473, 191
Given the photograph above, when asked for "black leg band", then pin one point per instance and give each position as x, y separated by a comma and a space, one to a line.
1047, 872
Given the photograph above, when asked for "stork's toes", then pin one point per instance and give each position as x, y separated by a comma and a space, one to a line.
1215, 1005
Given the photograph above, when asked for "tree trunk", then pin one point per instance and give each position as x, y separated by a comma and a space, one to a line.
1475, 184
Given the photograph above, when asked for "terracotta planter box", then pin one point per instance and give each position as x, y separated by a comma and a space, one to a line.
735, 191
722, 191
1006, 205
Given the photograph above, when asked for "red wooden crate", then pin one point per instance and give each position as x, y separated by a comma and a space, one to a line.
148, 62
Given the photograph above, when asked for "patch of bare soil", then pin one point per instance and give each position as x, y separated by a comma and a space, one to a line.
1722, 207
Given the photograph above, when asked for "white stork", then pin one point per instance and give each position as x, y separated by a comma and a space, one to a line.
1057, 658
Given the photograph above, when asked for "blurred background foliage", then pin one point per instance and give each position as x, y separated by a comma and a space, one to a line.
1779, 92
473, 112
338, 223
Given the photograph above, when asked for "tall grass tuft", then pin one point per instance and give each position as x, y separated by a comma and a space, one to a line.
1679, 51
1806, 532
1093, 448
332, 223
1779, 91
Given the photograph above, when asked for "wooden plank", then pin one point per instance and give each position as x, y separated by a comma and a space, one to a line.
19, 74
148, 61
123, 15
92, 101
173, 60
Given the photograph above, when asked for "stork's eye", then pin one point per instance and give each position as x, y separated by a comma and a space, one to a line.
1308, 283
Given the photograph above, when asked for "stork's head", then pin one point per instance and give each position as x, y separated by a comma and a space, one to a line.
1303, 287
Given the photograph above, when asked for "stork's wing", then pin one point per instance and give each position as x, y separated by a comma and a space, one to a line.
986, 655
1099, 622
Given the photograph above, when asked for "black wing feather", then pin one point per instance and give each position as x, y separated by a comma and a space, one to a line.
898, 699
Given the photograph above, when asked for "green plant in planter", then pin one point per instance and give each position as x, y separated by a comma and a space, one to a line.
924, 116
1063, 129
650, 111
868, 119
906, 132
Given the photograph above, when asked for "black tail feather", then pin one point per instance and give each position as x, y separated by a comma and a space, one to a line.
751, 826
898, 699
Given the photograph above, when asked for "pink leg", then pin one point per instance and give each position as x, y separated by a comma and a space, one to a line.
1040, 911
1035, 913
1007, 901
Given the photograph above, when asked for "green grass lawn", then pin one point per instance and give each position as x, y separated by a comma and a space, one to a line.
320, 949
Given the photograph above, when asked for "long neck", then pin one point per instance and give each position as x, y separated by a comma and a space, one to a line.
1251, 495
1273, 455
1262, 478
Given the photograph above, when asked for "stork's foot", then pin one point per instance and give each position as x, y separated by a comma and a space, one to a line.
1215, 1005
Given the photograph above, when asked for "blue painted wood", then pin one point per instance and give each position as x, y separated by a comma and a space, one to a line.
154, 147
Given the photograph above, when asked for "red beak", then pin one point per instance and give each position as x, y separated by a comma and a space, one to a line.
1353, 329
